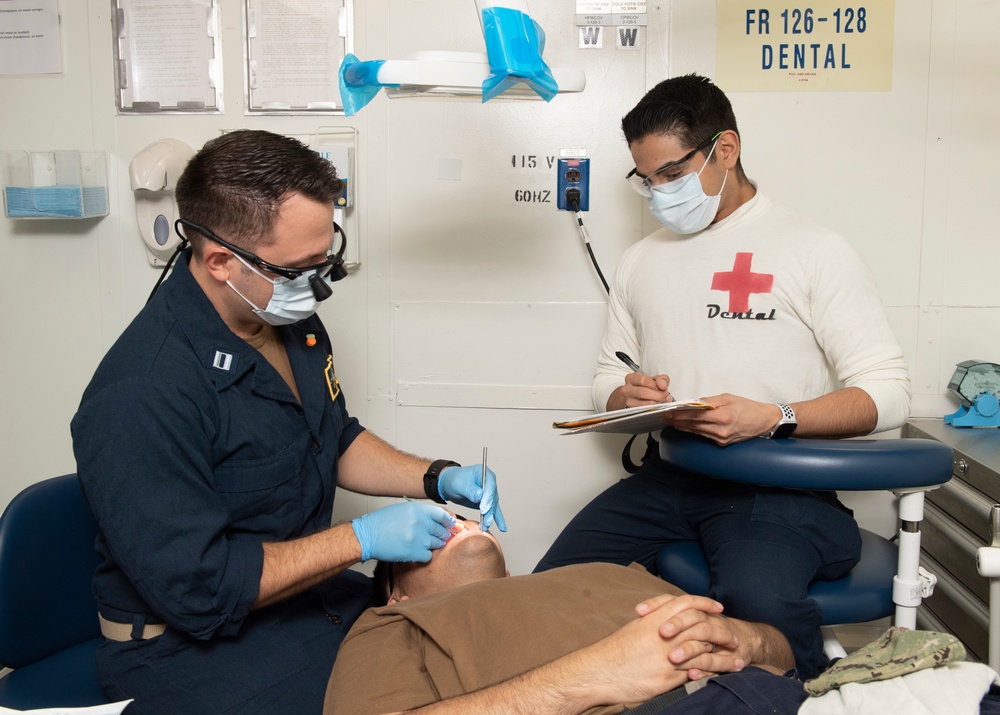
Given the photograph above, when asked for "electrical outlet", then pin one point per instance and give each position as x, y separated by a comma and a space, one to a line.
573, 184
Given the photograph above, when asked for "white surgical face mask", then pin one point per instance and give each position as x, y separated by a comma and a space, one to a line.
292, 300
682, 205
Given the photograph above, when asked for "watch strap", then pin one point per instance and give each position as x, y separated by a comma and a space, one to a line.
786, 425
431, 477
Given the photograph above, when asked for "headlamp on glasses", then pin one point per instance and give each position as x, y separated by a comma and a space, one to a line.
330, 270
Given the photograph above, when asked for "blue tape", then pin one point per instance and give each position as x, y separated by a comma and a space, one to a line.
359, 83
514, 46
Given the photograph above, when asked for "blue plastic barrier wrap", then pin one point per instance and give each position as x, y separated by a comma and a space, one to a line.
514, 46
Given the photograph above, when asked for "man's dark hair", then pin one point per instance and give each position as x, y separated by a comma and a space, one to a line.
690, 108
381, 583
235, 184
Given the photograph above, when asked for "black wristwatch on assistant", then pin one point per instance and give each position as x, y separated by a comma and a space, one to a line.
786, 425
431, 477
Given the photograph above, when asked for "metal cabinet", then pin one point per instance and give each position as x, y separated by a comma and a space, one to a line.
957, 521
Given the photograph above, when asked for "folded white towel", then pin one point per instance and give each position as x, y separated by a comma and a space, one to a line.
952, 689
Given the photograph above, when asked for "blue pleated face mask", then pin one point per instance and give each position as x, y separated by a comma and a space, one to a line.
292, 300
682, 206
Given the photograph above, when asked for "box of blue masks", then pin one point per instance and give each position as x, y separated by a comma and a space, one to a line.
55, 184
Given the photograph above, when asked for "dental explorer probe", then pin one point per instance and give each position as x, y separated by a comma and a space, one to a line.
484, 490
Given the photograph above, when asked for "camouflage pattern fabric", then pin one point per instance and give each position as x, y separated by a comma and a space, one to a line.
897, 652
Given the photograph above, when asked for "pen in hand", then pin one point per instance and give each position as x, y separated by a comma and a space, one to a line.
635, 368
629, 362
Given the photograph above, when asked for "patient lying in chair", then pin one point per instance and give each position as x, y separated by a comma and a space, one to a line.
585, 638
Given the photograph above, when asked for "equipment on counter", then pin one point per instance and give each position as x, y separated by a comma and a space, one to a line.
977, 385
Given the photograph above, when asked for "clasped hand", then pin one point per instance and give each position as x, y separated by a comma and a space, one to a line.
676, 639
704, 641
464, 486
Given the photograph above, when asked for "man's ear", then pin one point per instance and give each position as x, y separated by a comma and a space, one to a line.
216, 260
727, 149
506, 573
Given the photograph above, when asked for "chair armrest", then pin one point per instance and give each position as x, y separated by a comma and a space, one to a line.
856, 465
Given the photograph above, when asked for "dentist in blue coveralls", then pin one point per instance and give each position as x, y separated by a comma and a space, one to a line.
210, 443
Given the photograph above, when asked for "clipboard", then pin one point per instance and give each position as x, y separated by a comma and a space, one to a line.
168, 56
292, 51
633, 420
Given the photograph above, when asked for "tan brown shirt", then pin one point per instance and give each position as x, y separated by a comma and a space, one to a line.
447, 644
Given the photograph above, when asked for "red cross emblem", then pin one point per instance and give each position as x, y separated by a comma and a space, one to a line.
741, 282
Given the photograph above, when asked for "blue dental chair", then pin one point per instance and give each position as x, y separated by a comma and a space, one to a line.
48, 616
908, 467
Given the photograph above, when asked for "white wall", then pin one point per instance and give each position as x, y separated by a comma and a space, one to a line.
474, 319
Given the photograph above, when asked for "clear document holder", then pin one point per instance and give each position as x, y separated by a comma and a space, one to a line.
54, 184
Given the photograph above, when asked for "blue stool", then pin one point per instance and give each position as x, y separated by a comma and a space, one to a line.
908, 467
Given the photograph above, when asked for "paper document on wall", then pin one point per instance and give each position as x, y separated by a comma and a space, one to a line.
29, 37
634, 420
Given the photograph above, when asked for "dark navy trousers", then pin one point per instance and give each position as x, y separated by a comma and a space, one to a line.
280, 662
764, 545
749, 692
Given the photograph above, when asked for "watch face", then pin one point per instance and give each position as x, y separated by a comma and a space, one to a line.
784, 430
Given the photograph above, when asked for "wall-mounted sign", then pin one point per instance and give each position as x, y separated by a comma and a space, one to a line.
29, 37
610, 12
765, 46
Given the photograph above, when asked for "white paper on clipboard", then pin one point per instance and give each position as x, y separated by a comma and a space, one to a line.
293, 50
168, 55
634, 420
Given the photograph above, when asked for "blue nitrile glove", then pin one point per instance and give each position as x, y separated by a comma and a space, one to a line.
403, 532
464, 485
